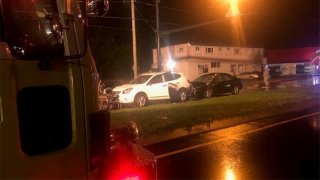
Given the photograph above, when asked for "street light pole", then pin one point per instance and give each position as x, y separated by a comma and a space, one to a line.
158, 36
134, 45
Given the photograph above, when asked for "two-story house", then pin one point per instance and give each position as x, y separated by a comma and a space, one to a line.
195, 59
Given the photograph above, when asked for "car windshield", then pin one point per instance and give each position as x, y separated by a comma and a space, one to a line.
205, 78
141, 79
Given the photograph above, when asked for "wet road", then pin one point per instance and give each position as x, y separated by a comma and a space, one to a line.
278, 83
269, 149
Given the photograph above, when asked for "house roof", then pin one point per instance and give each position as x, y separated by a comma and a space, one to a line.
298, 55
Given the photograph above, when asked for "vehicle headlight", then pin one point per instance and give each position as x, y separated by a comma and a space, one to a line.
126, 91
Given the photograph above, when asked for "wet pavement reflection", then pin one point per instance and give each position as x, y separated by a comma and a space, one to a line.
279, 83
284, 151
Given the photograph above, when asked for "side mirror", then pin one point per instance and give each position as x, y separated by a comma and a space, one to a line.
97, 7
55, 27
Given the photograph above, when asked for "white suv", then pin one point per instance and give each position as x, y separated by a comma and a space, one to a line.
152, 86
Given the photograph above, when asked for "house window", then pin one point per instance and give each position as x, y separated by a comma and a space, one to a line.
233, 69
180, 50
236, 51
209, 50
202, 68
215, 64
220, 49
197, 50
240, 68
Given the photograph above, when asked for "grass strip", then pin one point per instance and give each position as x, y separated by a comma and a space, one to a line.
168, 117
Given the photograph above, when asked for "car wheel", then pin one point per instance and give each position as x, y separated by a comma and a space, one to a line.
235, 90
183, 96
207, 93
140, 100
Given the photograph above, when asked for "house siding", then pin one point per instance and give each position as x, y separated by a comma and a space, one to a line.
194, 60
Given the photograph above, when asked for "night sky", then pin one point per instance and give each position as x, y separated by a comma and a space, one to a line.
266, 23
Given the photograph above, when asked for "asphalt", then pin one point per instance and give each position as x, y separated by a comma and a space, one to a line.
258, 84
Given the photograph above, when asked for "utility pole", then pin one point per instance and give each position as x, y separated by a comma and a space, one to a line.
134, 44
158, 36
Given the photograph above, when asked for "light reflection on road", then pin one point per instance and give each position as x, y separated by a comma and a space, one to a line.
231, 164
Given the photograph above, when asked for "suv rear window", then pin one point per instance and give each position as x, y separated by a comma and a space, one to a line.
171, 76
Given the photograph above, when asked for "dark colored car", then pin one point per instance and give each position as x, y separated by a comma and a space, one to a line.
213, 84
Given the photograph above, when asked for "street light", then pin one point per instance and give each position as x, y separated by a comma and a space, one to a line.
232, 13
234, 10
171, 64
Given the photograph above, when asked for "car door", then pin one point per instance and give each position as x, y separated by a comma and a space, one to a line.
218, 84
228, 83
157, 88
172, 78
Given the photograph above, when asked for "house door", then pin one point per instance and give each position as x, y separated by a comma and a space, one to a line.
233, 69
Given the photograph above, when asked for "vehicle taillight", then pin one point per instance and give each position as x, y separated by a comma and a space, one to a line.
128, 172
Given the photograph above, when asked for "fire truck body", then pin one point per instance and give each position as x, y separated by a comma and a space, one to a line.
48, 93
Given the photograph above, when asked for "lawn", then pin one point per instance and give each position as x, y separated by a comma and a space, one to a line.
168, 117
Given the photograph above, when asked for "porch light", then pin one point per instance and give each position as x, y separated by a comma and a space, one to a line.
171, 64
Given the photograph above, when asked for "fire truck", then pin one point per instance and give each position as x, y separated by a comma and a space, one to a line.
50, 122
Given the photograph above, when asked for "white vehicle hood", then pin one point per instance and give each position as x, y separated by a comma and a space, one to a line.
126, 86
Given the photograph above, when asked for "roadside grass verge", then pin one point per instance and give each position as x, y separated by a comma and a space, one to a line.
168, 117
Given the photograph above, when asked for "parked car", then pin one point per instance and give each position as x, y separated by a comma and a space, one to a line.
107, 100
250, 75
208, 85
152, 86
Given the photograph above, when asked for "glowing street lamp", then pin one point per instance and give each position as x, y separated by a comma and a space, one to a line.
234, 9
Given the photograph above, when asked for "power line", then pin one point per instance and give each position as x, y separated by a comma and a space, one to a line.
109, 27
147, 22
153, 5
138, 19
175, 9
